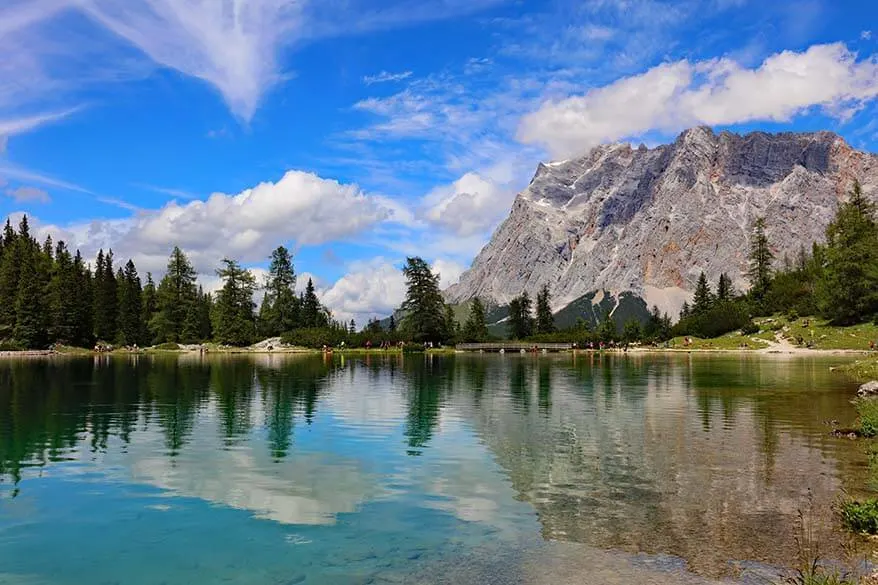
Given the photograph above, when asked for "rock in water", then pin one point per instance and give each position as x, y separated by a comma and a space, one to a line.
868, 389
650, 220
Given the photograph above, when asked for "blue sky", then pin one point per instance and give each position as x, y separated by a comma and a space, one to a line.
359, 131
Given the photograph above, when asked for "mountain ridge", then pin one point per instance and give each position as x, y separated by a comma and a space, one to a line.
649, 220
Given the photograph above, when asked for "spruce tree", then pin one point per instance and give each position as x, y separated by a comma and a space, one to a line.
10, 267
724, 290
545, 320
310, 316
423, 304
476, 329
392, 325
148, 309
760, 258
353, 327
264, 322
83, 294
450, 324
703, 299
685, 311
174, 295
521, 322
63, 298
30, 307
282, 313
235, 322
106, 300
848, 289
131, 327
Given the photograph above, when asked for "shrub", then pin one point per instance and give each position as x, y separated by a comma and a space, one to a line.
867, 408
750, 328
9, 345
861, 517
168, 346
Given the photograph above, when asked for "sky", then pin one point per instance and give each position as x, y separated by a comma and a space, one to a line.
359, 132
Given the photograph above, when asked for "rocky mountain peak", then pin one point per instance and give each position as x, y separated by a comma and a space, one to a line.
649, 220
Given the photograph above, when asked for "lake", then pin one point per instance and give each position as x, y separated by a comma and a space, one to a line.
659, 468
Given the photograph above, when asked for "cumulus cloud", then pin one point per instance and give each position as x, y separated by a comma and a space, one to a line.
673, 96
386, 76
26, 194
372, 289
470, 205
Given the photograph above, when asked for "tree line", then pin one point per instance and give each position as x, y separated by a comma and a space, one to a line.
50, 295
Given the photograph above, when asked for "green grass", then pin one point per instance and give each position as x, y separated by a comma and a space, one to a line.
731, 341
860, 516
861, 370
867, 409
823, 335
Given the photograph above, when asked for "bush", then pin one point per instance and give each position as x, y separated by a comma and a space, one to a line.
867, 408
168, 346
750, 328
861, 517
9, 345
720, 319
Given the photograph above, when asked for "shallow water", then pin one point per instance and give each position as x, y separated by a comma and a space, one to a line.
468, 469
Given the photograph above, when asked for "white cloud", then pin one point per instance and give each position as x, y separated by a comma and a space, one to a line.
28, 194
386, 76
372, 289
13, 126
449, 271
866, 35
11, 171
470, 205
673, 96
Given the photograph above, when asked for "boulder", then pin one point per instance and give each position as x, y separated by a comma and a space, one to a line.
868, 389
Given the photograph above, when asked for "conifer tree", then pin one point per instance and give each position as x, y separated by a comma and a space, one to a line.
545, 320
310, 316
148, 309
174, 295
84, 302
760, 258
521, 322
235, 322
476, 329
724, 290
451, 326
10, 268
703, 299
392, 325
848, 290
63, 318
30, 308
423, 305
685, 311
105, 298
353, 327
131, 327
282, 311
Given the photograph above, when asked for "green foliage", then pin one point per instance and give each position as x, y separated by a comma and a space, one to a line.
719, 319
658, 326
860, 516
521, 321
632, 331
703, 300
475, 329
760, 258
545, 320
167, 346
607, 329
235, 322
105, 298
281, 307
724, 289
423, 305
848, 291
131, 329
313, 315
30, 311
867, 409
175, 293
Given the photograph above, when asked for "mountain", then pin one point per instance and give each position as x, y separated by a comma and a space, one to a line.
649, 220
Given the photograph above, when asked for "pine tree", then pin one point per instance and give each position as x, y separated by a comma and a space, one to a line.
174, 295
131, 327
423, 304
148, 309
191, 332
353, 327
451, 327
106, 300
761, 258
311, 309
724, 290
83, 294
282, 311
235, 322
392, 325
607, 330
545, 320
10, 267
848, 289
205, 308
632, 331
703, 300
521, 322
63, 318
264, 321
476, 329
685, 311
30, 309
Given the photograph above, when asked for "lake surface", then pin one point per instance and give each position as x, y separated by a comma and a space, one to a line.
424, 469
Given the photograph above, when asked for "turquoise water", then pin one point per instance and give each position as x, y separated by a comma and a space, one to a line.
468, 469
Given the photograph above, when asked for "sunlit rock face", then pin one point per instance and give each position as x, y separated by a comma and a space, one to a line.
650, 220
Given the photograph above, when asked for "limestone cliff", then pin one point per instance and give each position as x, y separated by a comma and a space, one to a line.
650, 220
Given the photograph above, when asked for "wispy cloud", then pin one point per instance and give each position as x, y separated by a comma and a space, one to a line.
386, 76
17, 173
11, 127
178, 193
866, 35
26, 194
